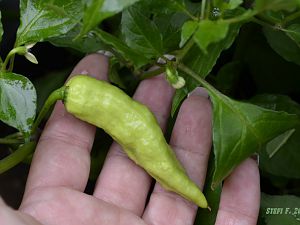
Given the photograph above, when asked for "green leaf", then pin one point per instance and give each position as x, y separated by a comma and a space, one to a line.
293, 31
275, 5
286, 44
269, 72
228, 77
280, 209
209, 32
276, 17
240, 129
98, 10
169, 26
86, 44
1, 28
204, 216
224, 5
164, 7
277, 103
185, 7
232, 4
274, 145
18, 101
140, 33
113, 75
121, 48
282, 159
202, 63
180, 94
41, 19
177, 4
168, 16
188, 29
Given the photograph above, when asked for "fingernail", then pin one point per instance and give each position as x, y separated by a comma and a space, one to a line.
106, 53
85, 72
256, 158
1, 201
199, 91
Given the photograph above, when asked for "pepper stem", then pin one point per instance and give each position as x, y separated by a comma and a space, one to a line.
54, 96
16, 157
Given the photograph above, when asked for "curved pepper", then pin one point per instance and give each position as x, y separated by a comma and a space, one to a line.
134, 127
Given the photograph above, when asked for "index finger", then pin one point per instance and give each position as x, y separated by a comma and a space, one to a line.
62, 156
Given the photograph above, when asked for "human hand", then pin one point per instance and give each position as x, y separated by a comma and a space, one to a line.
60, 169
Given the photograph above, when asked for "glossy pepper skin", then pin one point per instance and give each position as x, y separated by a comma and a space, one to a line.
134, 127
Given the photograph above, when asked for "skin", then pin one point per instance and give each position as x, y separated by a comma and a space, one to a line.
60, 168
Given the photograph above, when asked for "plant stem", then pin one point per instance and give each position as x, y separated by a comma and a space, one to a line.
54, 96
262, 23
16, 157
208, 8
268, 19
11, 64
152, 73
191, 73
196, 77
17, 135
10, 141
203, 5
275, 27
241, 18
11, 54
290, 18
186, 11
185, 50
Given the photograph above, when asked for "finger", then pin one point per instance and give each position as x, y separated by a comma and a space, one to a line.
240, 196
64, 206
62, 155
121, 181
191, 140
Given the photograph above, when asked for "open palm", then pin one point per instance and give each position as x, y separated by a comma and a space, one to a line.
60, 168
